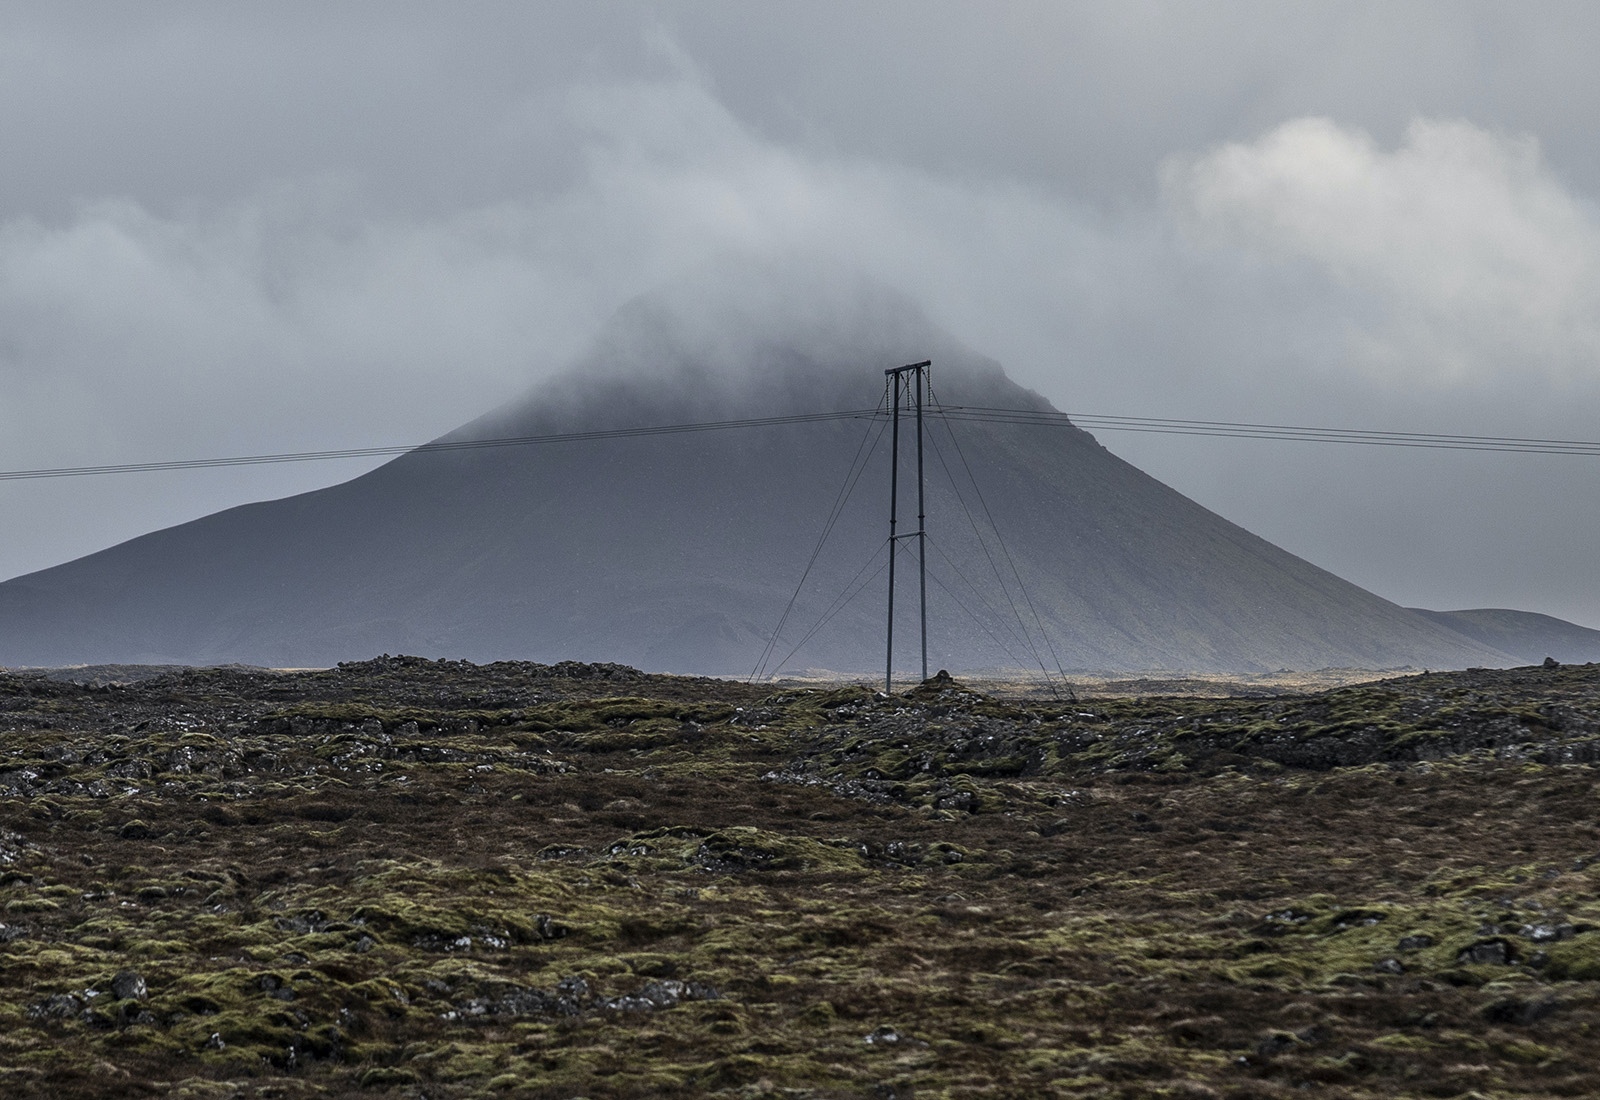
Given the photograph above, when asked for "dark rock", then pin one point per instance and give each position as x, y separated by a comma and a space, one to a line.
129, 985
134, 830
1496, 952
1276, 1043
303, 923
1520, 1013
654, 996
58, 1006
1415, 942
1547, 933
570, 997
274, 987
549, 928
1389, 966
1357, 918
1551, 662
515, 1001
1273, 922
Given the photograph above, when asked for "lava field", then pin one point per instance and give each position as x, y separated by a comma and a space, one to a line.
417, 878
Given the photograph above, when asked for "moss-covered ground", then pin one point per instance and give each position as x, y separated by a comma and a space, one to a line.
432, 879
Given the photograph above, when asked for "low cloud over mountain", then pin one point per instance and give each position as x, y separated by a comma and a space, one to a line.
680, 551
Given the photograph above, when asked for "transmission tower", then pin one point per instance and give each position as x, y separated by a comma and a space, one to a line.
911, 380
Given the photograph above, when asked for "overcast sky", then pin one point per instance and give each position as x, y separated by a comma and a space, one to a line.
232, 229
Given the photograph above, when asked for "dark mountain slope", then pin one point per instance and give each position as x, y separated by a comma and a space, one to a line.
679, 552
1525, 635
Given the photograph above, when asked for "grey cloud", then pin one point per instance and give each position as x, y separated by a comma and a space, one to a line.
433, 106
328, 225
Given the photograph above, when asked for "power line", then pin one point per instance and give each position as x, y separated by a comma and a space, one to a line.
858, 466
955, 487
440, 446
1294, 432
851, 590
994, 614
1006, 552
981, 414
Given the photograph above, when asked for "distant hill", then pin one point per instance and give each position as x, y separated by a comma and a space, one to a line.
1525, 635
679, 552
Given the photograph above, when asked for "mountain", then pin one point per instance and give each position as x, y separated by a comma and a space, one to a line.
1526, 635
679, 552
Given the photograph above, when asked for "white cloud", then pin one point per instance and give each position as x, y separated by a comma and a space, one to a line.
1480, 262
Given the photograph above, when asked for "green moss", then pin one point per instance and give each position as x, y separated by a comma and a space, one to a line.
384, 1077
1575, 960
1101, 924
1400, 1041
1526, 1051
23, 906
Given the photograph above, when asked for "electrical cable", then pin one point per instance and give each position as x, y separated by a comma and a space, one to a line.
947, 413
846, 490
1298, 433
841, 499
1103, 422
839, 603
999, 579
446, 445
1028, 599
1007, 650
994, 567
999, 616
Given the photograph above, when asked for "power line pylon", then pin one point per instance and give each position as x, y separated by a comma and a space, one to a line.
913, 387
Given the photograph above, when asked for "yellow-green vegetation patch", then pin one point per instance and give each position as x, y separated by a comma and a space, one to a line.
411, 878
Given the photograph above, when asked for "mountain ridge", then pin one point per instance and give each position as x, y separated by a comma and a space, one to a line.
1528, 636
679, 552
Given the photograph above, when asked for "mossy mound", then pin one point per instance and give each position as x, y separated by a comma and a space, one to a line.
406, 878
